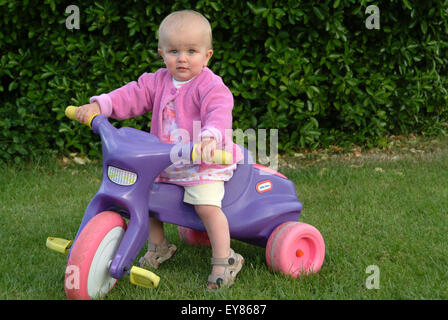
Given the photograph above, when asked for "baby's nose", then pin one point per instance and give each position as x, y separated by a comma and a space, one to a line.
182, 56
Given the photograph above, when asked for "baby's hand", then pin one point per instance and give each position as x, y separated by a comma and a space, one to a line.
207, 148
84, 112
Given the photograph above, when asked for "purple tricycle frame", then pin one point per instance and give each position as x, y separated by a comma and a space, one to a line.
255, 202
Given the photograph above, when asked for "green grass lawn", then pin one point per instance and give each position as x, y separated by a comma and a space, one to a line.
386, 209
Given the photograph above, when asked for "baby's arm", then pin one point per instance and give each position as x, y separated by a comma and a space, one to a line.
216, 117
131, 100
216, 112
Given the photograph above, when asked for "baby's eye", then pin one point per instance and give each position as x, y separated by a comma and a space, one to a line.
191, 51
173, 51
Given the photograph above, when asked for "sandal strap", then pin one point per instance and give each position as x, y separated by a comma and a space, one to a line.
230, 260
219, 279
157, 253
158, 247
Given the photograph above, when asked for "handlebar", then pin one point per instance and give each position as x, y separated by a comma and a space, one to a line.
219, 156
70, 112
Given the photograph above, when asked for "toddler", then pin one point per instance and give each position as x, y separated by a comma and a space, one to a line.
183, 92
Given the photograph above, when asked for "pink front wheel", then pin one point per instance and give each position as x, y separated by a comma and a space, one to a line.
295, 248
87, 273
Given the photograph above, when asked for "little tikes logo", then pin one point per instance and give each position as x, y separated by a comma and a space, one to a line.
264, 186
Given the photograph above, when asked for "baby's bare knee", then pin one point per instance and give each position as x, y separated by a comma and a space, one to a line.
207, 211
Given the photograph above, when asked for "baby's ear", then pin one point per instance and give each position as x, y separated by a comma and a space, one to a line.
208, 55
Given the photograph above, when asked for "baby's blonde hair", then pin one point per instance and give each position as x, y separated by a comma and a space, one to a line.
178, 18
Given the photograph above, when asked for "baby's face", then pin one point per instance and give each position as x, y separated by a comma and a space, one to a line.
185, 52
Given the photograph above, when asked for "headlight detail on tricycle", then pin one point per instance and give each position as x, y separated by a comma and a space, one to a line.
120, 176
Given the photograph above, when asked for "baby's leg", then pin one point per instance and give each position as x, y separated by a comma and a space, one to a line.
156, 231
217, 227
206, 199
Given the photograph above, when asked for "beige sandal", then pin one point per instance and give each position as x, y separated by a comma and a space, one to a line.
233, 264
157, 253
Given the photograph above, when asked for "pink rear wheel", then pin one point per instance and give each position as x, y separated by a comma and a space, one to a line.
295, 248
87, 273
193, 237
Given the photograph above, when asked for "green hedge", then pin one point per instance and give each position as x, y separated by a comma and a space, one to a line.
308, 68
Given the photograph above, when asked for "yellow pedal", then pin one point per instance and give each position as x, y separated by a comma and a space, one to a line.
144, 278
59, 245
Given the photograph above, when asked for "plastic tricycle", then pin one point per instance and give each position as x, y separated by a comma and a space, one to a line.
261, 206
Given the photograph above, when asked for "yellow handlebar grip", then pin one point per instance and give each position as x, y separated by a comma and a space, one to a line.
219, 157
70, 112
222, 157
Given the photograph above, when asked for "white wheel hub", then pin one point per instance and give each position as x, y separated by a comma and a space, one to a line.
99, 280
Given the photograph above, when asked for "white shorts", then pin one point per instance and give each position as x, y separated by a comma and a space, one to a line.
205, 194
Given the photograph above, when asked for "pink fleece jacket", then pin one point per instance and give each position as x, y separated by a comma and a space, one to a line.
205, 98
